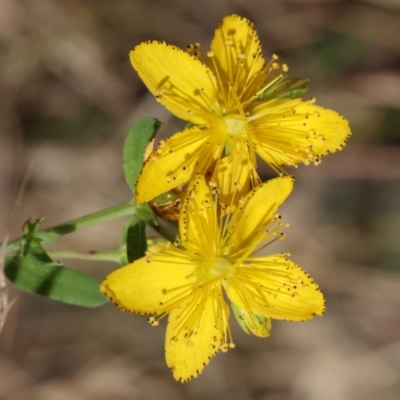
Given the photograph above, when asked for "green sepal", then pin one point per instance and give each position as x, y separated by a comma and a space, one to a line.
146, 214
251, 323
33, 271
134, 233
237, 314
136, 241
136, 142
285, 88
189, 125
166, 198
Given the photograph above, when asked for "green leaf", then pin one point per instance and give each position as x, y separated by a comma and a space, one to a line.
286, 88
140, 135
33, 271
136, 242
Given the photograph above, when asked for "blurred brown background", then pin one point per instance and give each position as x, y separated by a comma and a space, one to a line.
68, 97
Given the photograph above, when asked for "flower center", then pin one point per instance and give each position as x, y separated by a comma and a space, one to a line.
222, 267
235, 124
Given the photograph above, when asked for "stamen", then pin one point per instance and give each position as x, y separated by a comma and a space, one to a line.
223, 237
251, 77
181, 99
220, 85
247, 296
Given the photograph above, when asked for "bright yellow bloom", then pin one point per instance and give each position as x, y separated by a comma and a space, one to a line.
221, 97
214, 255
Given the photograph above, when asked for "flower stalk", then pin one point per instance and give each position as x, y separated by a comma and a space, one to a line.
51, 234
114, 256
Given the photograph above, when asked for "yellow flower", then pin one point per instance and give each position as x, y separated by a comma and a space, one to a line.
187, 281
234, 99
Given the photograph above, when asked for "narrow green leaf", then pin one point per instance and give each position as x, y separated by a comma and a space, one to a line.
37, 273
136, 242
140, 135
286, 88
33, 271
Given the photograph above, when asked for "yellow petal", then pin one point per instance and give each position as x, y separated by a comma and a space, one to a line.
195, 333
233, 176
179, 81
152, 284
277, 288
177, 160
327, 129
287, 132
237, 56
251, 219
198, 225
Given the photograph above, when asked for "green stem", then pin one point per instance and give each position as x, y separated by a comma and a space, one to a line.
51, 234
112, 256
